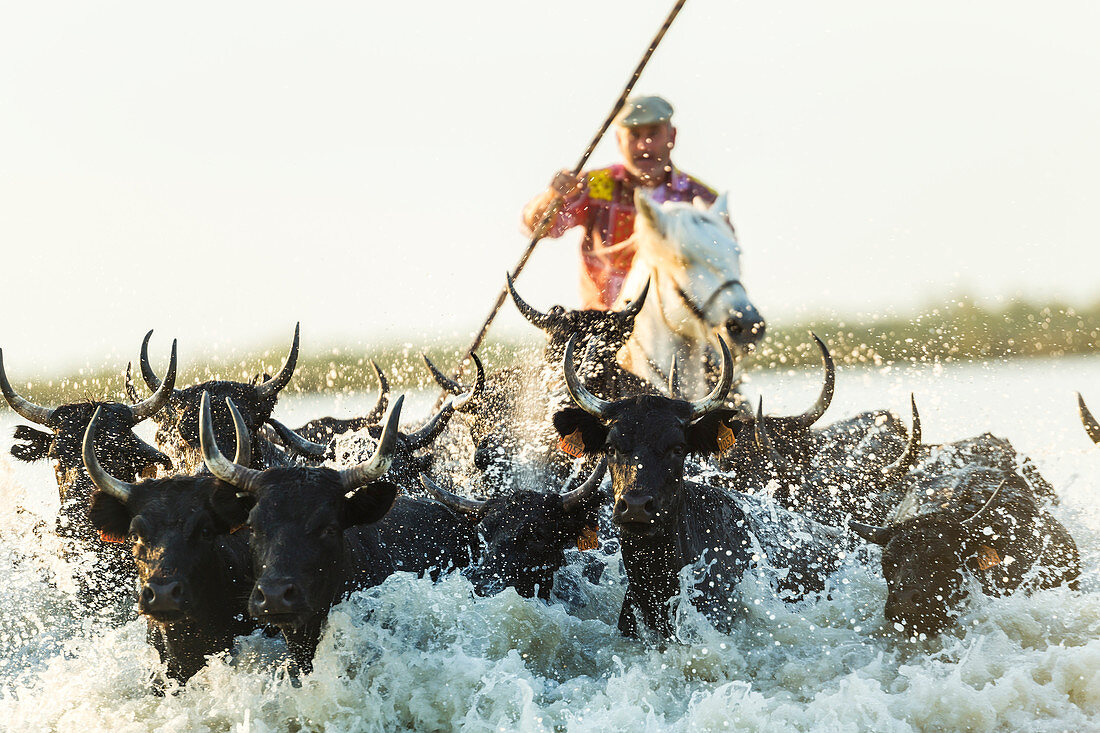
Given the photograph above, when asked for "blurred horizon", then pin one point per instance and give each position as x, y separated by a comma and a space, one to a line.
218, 173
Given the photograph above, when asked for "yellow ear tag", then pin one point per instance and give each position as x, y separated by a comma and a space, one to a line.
572, 444
588, 539
726, 437
987, 557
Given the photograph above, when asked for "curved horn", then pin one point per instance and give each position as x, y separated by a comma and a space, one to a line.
630, 312
1091, 426
717, 396
674, 385
431, 429
571, 499
896, 470
461, 401
244, 439
763, 440
474, 507
435, 426
383, 402
818, 409
587, 401
241, 477
872, 533
103, 481
160, 398
445, 382
296, 442
985, 507
271, 387
370, 469
147, 373
25, 408
535, 317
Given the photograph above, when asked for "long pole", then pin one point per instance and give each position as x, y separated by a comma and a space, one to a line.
551, 212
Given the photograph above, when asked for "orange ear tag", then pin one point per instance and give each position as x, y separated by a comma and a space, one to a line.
726, 437
105, 537
572, 444
588, 539
987, 557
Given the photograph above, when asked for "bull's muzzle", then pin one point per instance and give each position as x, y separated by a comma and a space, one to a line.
273, 600
162, 600
634, 510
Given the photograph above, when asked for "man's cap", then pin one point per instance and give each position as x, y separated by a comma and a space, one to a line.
644, 111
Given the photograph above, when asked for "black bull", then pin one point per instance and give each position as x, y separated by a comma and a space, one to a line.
667, 523
105, 584
409, 458
316, 534
526, 533
192, 567
976, 519
178, 423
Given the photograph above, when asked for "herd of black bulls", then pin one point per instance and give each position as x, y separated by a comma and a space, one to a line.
274, 537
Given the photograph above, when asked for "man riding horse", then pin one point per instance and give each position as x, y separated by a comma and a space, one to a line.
602, 201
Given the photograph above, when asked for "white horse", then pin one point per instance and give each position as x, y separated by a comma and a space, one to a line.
689, 254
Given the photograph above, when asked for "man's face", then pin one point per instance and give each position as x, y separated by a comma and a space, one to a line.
646, 149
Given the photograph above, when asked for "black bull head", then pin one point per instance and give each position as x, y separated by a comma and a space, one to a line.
178, 425
924, 557
192, 572
123, 452
526, 533
308, 542
646, 440
408, 462
607, 331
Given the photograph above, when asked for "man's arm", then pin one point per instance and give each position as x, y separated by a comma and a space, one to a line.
565, 186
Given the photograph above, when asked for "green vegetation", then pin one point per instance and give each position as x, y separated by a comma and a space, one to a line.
958, 331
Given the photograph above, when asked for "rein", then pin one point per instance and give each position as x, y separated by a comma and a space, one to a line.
700, 313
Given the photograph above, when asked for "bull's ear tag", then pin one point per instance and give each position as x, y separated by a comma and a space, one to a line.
726, 437
588, 539
110, 537
572, 444
987, 557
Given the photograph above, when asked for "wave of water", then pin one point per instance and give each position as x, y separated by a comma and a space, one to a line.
416, 655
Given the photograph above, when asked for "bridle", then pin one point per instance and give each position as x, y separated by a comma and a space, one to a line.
700, 313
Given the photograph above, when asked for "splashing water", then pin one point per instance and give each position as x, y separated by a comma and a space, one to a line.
412, 654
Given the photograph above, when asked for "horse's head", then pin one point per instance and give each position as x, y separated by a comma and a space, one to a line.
697, 262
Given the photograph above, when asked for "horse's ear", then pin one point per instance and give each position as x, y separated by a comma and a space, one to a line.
649, 211
720, 206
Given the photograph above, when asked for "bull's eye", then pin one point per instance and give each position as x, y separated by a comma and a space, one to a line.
139, 529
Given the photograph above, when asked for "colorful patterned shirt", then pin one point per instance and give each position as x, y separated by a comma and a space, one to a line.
604, 206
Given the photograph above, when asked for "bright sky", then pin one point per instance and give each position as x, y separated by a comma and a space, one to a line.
218, 171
